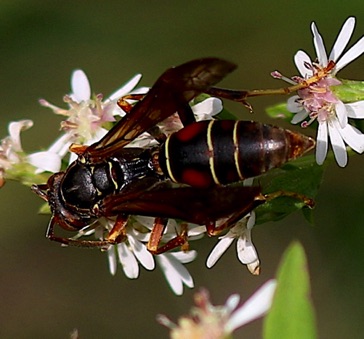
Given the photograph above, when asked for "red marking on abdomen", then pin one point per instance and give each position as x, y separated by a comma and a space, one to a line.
196, 178
189, 132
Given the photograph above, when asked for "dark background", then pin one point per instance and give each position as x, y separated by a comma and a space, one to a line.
46, 290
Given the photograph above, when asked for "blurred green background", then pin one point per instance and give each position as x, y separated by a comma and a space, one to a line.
46, 290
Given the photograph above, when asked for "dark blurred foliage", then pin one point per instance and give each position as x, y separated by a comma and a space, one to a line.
47, 291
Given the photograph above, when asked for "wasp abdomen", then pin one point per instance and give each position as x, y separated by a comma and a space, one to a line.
217, 152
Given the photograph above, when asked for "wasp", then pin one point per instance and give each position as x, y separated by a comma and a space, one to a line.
190, 175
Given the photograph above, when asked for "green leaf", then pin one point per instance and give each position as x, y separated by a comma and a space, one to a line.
279, 111
26, 174
292, 314
302, 176
201, 97
226, 115
44, 209
349, 90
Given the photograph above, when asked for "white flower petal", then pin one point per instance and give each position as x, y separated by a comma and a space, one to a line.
45, 161
196, 230
299, 116
322, 143
355, 109
245, 249
353, 53
140, 90
99, 134
172, 228
126, 88
143, 237
170, 274
206, 109
112, 260
145, 221
342, 39
61, 145
184, 257
219, 249
251, 220
141, 253
81, 90
293, 105
232, 303
301, 59
256, 306
128, 261
338, 145
175, 273
353, 137
15, 127
181, 269
73, 157
319, 46
254, 267
341, 113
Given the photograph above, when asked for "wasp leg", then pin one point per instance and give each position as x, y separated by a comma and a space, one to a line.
230, 94
155, 239
104, 244
310, 203
242, 95
213, 230
39, 190
126, 106
118, 233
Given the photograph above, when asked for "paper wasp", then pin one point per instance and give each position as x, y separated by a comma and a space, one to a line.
187, 177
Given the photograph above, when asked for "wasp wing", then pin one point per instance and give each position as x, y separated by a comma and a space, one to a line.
171, 93
190, 204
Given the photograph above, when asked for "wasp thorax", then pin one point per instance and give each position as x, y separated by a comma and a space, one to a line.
77, 187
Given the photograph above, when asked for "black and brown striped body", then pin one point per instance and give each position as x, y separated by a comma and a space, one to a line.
214, 152
111, 180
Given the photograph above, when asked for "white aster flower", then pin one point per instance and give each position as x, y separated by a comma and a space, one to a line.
86, 115
318, 101
218, 322
245, 249
132, 251
11, 151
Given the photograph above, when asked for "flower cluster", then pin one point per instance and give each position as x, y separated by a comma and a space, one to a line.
11, 151
88, 116
133, 251
217, 322
317, 99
